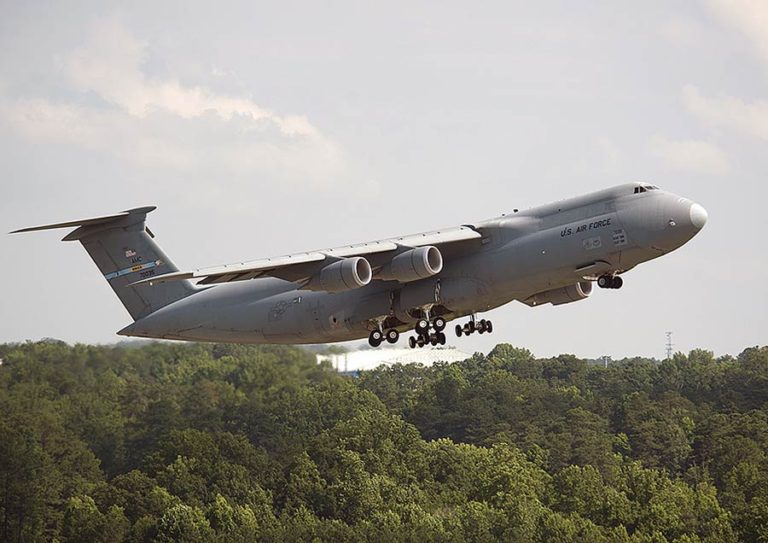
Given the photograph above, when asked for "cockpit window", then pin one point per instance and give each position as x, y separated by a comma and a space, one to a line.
639, 189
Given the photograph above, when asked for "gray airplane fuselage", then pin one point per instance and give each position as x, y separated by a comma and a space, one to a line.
545, 254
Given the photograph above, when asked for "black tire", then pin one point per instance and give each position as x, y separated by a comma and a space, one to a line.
374, 340
617, 282
604, 281
420, 342
439, 324
392, 336
433, 340
412, 342
441, 339
488, 326
422, 326
472, 326
459, 330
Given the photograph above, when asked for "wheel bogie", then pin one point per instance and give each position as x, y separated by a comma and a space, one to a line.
482, 326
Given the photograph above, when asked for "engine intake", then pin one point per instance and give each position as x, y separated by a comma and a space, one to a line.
563, 295
346, 274
413, 265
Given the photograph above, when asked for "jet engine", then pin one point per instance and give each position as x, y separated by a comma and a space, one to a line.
563, 295
345, 274
413, 265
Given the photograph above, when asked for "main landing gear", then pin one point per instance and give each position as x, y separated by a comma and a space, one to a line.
377, 337
609, 281
482, 326
424, 336
429, 332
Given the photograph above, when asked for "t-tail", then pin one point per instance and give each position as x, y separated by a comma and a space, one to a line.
124, 250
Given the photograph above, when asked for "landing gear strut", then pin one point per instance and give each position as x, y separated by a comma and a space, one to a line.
609, 281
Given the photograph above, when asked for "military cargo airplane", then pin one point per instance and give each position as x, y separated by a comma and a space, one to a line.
380, 289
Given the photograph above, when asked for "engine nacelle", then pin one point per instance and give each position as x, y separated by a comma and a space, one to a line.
346, 274
563, 295
413, 265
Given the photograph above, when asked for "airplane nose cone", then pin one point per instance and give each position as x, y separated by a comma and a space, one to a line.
698, 216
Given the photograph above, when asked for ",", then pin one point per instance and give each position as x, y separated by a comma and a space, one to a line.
548, 254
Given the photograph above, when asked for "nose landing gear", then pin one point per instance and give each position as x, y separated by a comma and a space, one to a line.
610, 281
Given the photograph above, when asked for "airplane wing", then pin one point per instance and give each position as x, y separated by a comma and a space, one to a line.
300, 267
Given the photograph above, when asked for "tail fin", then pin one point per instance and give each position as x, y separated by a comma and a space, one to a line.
123, 249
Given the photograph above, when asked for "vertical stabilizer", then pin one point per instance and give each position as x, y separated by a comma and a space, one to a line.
124, 250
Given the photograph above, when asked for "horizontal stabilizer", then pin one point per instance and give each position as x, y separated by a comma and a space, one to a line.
88, 222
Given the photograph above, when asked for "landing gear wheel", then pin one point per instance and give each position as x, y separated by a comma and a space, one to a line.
439, 324
392, 336
433, 340
488, 326
604, 281
617, 282
374, 340
481, 326
459, 330
471, 326
441, 339
412, 342
422, 326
